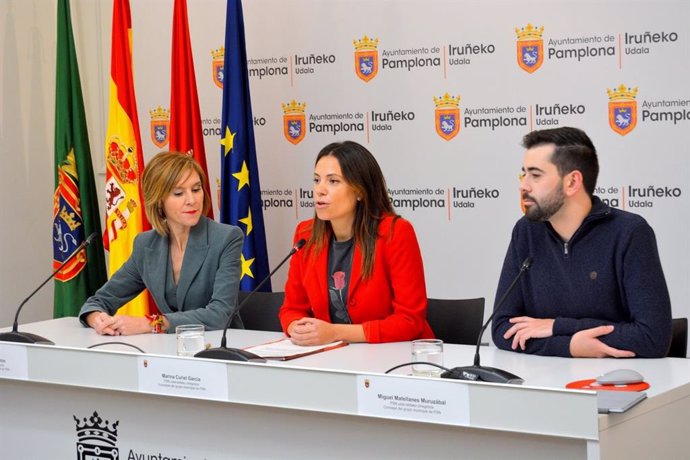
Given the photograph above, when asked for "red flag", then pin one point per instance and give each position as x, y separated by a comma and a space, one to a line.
185, 117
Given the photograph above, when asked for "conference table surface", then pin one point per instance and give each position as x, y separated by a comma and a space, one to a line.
537, 408
537, 371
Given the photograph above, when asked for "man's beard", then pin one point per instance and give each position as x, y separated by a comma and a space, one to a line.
544, 210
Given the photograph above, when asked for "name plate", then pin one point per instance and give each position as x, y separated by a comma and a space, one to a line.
418, 399
183, 377
14, 362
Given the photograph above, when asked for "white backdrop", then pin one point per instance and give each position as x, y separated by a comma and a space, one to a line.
460, 194
303, 50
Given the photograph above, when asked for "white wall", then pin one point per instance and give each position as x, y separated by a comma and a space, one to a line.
27, 118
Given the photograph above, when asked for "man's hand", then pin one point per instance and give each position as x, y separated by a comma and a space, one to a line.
585, 344
524, 328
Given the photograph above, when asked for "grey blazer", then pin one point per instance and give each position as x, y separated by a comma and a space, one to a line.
208, 283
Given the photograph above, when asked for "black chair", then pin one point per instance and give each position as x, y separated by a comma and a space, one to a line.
456, 320
261, 312
679, 339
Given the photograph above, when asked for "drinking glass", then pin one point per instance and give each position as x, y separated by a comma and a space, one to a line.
430, 351
190, 339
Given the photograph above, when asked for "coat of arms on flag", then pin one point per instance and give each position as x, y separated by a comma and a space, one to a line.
68, 231
121, 187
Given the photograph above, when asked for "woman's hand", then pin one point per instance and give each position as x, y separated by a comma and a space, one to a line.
312, 331
104, 324
101, 322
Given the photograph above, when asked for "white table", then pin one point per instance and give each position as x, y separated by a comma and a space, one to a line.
309, 408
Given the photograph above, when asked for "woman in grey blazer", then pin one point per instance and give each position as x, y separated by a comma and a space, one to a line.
190, 264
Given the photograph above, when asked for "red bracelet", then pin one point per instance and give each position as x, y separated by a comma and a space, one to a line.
156, 322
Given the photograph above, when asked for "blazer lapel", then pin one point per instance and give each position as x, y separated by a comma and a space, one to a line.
194, 256
316, 275
156, 262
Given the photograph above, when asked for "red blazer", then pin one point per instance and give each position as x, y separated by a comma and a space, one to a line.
390, 304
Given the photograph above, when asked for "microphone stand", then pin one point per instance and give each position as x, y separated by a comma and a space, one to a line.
480, 373
27, 337
237, 354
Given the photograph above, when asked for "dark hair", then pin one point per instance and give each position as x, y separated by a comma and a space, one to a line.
574, 151
362, 172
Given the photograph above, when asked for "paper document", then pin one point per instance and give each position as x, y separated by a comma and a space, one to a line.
284, 349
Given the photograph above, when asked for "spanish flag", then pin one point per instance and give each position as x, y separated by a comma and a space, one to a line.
186, 135
124, 215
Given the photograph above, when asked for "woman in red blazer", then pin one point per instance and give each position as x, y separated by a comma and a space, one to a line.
360, 277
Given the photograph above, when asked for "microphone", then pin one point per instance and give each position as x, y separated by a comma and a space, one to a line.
480, 373
26, 337
237, 354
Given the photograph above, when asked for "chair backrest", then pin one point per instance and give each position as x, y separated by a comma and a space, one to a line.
261, 311
456, 320
679, 339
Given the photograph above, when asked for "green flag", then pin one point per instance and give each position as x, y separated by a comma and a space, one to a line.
75, 203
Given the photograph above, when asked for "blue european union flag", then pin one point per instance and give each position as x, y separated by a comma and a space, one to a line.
240, 200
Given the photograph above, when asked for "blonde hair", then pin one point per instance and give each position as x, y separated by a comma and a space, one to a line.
161, 175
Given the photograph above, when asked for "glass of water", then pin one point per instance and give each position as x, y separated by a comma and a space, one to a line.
190, 339
429, 351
